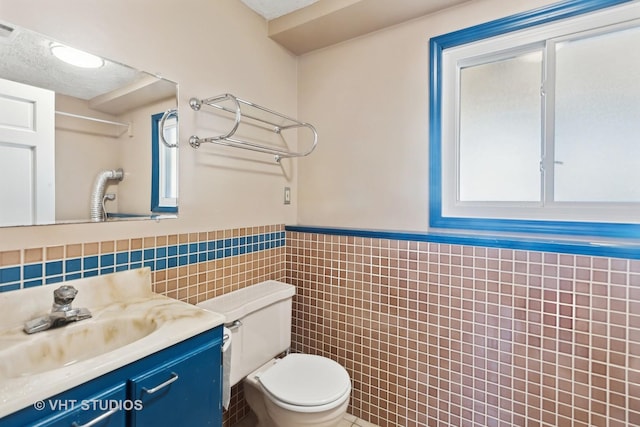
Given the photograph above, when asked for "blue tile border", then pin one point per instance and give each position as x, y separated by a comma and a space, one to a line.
32, 271
159, 258
73, 265
627, 250
9, 278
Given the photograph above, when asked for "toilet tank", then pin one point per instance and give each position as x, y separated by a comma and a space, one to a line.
259, 318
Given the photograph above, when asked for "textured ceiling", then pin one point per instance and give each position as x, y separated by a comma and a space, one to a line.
271, 9
26, 58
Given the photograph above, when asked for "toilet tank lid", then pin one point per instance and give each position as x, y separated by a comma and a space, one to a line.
237, 304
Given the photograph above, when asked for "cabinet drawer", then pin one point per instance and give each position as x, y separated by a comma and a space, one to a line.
186, 388
107, 409
193, 398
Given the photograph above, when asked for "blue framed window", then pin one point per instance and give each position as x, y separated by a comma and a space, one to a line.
533, 121
164, 162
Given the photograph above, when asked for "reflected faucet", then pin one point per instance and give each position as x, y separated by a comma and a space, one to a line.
61, 312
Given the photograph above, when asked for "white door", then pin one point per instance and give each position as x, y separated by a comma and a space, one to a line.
27, 154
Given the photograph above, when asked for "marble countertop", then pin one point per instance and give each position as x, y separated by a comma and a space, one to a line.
122, 304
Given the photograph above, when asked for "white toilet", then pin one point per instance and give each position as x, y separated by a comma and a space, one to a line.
294, 391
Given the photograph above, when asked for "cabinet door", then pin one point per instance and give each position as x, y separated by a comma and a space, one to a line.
184, 391
107, 409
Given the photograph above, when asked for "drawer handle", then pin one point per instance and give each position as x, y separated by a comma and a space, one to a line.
97, 419
174, 377
232, 326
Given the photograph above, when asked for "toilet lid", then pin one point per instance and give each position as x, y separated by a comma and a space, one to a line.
306, 380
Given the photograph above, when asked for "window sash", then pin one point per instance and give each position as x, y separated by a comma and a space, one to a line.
477, 45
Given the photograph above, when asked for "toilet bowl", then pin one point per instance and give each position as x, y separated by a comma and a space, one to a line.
298, 390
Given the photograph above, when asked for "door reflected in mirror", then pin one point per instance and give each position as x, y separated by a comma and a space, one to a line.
79, 141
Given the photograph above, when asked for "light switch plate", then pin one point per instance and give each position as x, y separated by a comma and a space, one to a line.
287, 195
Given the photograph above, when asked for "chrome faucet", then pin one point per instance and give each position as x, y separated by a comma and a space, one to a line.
61, 312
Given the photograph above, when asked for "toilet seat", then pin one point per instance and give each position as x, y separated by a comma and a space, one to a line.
306, 383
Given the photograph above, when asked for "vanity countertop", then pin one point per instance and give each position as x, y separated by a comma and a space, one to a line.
122, 303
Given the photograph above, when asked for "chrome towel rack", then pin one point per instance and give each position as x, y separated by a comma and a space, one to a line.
240, 110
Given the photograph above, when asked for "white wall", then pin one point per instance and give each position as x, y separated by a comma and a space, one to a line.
369, 99
208, 47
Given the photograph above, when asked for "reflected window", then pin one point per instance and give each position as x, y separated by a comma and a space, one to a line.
164, 177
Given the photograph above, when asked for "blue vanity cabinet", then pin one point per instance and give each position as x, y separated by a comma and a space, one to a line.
181, 392
180, 385
104, 410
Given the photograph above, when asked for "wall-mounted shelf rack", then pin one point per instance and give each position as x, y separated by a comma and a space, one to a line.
247, 112
102, 121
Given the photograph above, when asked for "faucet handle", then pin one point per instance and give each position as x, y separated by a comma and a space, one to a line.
64, 295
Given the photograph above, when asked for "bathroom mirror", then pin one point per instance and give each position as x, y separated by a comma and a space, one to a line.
77, 135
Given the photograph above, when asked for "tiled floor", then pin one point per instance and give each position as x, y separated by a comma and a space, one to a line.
349, 421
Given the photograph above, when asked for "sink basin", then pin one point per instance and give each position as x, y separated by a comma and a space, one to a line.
22, 355
129, 323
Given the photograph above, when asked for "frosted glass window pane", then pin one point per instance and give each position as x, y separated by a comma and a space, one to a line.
597, 151
500, 122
